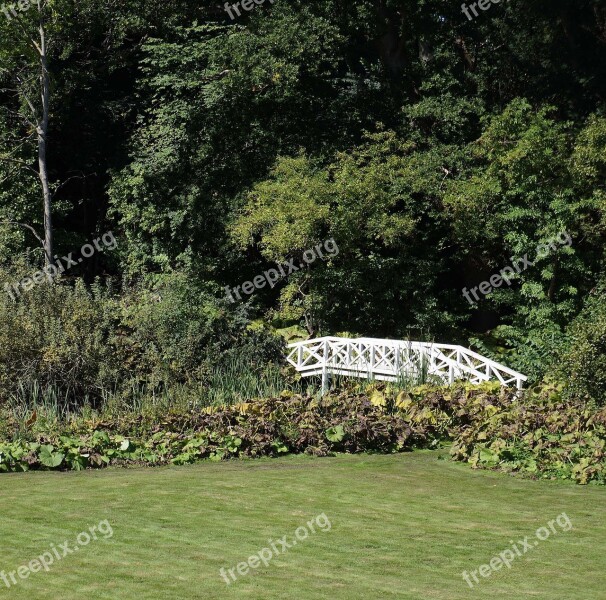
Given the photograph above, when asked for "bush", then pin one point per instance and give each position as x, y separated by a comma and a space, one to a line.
54, 339
172, 330
582, 366
68, 346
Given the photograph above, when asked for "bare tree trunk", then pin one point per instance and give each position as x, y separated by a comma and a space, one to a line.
42, 131
38, 121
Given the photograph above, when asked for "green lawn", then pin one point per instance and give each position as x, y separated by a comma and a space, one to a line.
403, 526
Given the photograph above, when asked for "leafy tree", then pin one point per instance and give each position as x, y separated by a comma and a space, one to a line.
379, 203
518, 191
27, 41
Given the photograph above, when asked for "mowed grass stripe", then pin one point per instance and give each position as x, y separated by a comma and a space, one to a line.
403, 526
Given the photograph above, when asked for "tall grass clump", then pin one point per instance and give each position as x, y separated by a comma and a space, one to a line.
236, 381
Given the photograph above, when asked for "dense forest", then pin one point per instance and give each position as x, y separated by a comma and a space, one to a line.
184, 186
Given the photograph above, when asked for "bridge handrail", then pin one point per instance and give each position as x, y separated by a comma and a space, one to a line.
466, 351
429, 345
436, 351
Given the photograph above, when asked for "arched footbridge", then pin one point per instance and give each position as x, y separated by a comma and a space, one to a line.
391, 360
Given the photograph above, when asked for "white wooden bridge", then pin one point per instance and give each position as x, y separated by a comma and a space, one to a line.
392, 360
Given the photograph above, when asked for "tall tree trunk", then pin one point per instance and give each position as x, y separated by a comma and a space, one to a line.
42, 131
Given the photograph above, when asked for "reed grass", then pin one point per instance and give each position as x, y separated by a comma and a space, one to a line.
228, 382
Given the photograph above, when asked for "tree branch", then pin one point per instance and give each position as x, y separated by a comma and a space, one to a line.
27, 227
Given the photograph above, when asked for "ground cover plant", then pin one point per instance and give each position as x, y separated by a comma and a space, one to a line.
537, 434
565, 440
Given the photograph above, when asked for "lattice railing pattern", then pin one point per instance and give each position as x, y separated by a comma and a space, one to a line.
390, 360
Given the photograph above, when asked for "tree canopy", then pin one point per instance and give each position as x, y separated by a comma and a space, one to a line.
433, 149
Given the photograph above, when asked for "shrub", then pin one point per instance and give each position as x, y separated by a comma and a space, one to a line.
68, 346
54, 338
582, 366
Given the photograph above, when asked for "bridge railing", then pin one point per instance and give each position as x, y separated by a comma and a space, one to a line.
390, 360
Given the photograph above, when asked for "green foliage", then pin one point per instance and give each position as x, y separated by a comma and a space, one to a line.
287, 212
582, 362
63, 346
54, 336
538, 434
368, 201
167, 328
430, 148
238, 379
335, 434
221, 103
541, 436
524, 187
270, 427
48, 457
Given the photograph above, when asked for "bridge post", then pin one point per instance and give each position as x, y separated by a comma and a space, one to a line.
325, 367
451, 369
397, 362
